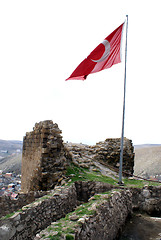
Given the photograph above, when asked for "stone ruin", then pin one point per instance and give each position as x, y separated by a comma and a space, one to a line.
106, 152
106, 221
45, 156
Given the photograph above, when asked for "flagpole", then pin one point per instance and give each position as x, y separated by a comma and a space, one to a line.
123, 116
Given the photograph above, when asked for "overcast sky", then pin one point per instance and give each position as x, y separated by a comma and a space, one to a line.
42, 42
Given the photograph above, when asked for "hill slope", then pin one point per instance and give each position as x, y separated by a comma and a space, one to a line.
10, 156
147, 160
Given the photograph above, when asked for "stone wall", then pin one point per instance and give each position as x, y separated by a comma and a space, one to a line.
34, 217
106, 152
43, 158
9, 205
109, 218
105, 215
147, 199
84, 191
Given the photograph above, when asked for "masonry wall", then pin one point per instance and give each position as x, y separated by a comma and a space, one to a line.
109, 219
43, 158
84, 191
106, 152
9, 205
34, 217
147, 199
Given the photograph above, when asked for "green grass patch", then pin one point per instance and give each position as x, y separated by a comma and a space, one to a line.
72, 169
81, 211
8, 216
93, 176
76, 173
54, 237
81, 174
138, 183
69, 237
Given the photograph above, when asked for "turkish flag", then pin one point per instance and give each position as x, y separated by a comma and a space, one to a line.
103, 56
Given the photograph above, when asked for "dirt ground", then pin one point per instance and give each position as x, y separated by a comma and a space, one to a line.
142, 227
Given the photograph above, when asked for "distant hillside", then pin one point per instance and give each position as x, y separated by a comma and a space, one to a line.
146, 145
10, 156
10, 145
147, 160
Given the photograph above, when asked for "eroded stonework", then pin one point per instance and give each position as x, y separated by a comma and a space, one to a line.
45, 156
106, 152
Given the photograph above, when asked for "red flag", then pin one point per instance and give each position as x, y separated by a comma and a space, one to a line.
103, 56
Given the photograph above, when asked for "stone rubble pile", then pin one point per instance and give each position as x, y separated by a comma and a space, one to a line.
81, 154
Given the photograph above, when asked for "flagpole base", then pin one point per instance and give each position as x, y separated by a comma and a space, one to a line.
121, 184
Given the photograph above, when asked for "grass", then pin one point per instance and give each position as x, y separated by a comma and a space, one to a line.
7, 216
138, 183
69, 237
10, 215
81, 174
55, 237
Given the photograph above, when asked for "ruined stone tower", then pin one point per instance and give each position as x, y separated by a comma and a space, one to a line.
45, 156
43, 159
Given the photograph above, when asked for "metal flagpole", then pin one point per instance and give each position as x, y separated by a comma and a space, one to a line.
123, 117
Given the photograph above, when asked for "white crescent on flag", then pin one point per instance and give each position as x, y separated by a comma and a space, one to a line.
106, 52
